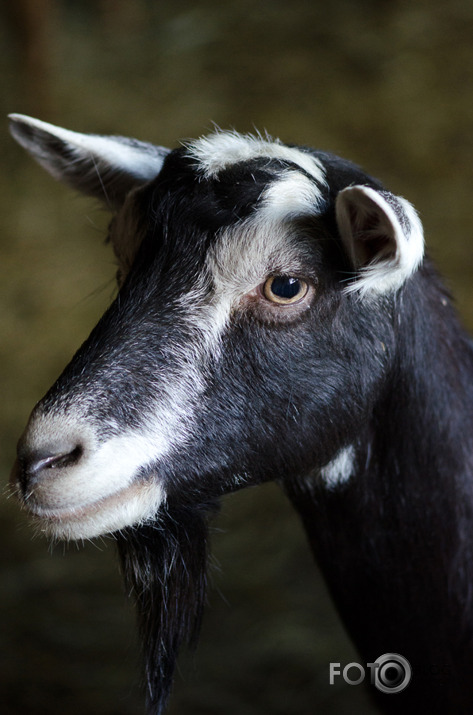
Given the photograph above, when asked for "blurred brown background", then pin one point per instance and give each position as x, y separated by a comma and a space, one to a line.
386, 84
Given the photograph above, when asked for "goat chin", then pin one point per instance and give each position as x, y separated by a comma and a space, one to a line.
164, 564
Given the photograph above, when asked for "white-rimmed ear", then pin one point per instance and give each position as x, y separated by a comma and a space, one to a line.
383, 237
106, 167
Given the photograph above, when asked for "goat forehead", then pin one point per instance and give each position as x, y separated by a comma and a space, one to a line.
244, 246
236, 227
188, 205
242, 179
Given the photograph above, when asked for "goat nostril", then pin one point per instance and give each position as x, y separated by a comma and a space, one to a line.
55, 461
31, 466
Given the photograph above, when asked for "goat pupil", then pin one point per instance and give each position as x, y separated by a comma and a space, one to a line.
285, 287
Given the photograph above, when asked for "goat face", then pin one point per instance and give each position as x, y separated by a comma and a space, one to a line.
252, 327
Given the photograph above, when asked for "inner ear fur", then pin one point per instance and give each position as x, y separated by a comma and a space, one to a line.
383, 237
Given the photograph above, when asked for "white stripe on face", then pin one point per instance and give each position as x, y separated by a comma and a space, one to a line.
266, 243
292, 195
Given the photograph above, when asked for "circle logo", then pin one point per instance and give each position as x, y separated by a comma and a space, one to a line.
392, 673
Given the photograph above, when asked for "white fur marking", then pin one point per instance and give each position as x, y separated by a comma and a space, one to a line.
132, 505
340, 469
290, 196
222, 149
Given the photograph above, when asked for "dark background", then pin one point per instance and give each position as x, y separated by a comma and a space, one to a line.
386, 84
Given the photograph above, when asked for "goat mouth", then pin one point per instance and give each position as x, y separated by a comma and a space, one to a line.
80, 511
134, 503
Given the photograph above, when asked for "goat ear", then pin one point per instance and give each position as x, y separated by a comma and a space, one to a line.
383, 237
106, 167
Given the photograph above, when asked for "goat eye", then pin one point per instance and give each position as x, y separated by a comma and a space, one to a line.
285, 290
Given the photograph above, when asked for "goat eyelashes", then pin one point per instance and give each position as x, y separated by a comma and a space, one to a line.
260, 280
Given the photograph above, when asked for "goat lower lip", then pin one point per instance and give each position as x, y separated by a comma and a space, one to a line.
81, 511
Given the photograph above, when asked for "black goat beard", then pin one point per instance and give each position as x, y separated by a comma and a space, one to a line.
164, 564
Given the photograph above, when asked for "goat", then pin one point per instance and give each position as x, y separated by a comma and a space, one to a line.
276, 319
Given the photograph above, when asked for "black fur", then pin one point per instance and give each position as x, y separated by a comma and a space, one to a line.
395, 543
164, 564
